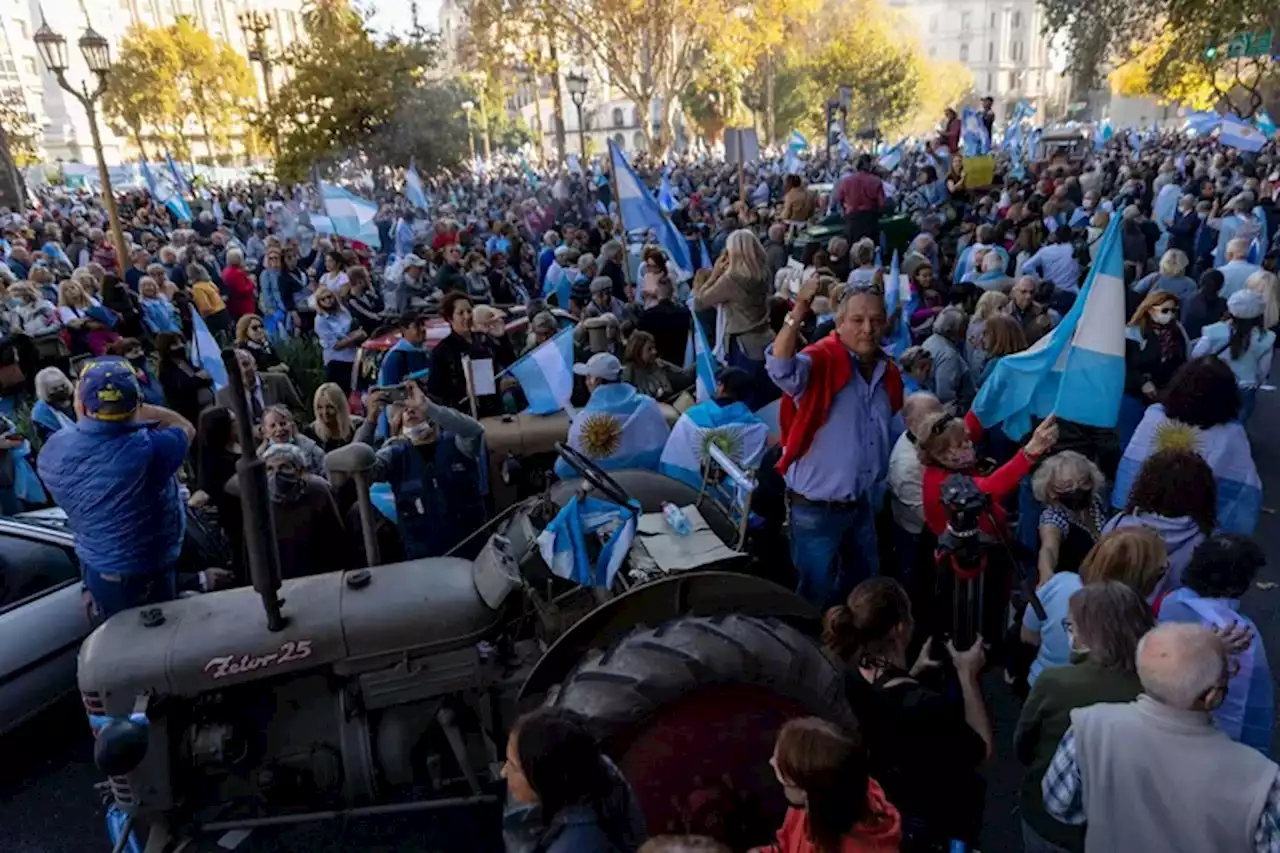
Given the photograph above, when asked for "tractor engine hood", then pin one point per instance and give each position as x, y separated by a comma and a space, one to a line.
207, 642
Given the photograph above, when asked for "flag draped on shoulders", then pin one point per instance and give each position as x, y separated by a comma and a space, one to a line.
734, 429
1224, 447
618, 428
1077, 370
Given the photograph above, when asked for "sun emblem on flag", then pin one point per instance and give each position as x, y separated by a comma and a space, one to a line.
729, 442
601, 435
1176, 435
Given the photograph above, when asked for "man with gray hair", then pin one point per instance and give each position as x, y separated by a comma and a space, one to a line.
906, 486
1237, 269
1154, 774
952, 380
1237, 223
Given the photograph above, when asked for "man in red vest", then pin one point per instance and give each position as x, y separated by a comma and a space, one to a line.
839, 396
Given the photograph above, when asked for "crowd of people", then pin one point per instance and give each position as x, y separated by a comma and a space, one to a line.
1144, 687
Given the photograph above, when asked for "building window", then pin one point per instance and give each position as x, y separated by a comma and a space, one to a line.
23, 31
993, 20
991, 51
988, 81
638, 140
1015, 51
1017, 19
964, 52
29, 63
620, 141
966, 20
1013, 79
618, 120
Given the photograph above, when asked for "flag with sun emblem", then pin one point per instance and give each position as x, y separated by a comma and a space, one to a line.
1225, 448
734, 429
618, 428
563, 543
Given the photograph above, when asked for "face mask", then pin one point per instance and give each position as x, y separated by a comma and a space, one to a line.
959, 458
1163, 317
283, 485
1076, 499
60, 396
419, 432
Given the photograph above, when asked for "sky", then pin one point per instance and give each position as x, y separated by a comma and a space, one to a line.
393, 15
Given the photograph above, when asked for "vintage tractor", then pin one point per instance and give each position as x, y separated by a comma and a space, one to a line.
391, 689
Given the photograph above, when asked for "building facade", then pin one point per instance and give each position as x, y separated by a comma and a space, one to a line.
1002, 44
66, 126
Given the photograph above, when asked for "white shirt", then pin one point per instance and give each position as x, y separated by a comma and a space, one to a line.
906, 485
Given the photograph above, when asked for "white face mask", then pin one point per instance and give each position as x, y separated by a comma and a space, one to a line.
1162, 316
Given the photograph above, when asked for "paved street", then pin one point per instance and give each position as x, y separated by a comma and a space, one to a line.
48, 805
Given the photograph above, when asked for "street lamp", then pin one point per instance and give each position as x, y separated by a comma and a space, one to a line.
577, 84
467, 107
255, 25
97, 56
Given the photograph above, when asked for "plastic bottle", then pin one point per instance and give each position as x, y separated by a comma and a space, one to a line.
676, 520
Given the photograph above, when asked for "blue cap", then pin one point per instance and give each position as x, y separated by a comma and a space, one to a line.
109, 389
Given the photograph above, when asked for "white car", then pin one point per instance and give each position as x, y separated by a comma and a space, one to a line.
42, 615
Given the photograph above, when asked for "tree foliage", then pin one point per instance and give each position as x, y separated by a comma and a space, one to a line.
1174, 41
1189, 84
170, 81
353, 97
19, 128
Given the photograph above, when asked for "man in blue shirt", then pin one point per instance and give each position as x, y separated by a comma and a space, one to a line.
1057, 263
113, 475
1237, 269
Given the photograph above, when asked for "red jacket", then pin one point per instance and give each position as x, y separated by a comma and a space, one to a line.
999, 484
881, 832
830, 370
241, 292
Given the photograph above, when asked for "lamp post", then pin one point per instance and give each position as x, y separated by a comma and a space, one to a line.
467, 107
577, 84
255, 25
97, 56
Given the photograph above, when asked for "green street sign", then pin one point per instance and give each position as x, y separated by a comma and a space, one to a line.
1249, 44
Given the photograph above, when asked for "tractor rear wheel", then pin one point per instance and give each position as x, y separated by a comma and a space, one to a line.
690, 711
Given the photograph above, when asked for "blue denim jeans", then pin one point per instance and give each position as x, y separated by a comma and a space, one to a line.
125, 591
1248, 398
833, 549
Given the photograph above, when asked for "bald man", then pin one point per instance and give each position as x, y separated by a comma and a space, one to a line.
1154, 774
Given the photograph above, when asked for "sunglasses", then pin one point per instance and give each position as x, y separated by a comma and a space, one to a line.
941, 425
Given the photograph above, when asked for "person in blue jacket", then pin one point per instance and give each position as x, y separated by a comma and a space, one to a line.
113, 474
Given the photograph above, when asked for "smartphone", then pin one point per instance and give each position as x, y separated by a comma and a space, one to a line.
392, 393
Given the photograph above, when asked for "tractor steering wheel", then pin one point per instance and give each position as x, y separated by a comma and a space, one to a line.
593, 474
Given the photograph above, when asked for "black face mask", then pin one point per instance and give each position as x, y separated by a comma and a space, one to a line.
1076, 499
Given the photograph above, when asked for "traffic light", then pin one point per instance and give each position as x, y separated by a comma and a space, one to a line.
1210, 53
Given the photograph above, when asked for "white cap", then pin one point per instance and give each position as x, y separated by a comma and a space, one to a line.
602, 365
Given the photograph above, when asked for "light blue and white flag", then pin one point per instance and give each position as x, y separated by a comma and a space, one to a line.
1202, 123
1077, 370
899, 295
704, 360
892, 158
179, 179
1225, 448
734, 429
1265, 123
666, 195
638, 209
974, 138
546, 374
1236, 133
575, 165
350, 215
563, 542
205, 352
529, 174
791, 162
1166, 206
162, 192
414, 190
846, 152
618, 428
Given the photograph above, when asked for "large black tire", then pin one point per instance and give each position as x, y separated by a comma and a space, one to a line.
690, 710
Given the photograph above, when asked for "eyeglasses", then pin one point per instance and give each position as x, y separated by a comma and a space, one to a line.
941, 425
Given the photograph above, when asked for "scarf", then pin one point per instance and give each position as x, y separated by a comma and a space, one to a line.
1170, 340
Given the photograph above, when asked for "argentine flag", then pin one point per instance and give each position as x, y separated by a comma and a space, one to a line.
1225, 448
974, 139
899, 296
179, 179
791, 163
618, 428
1235, 133
704, 359
892, 158
165, 194
205, 352
350, 215
734, 429
1077, 370
1265, 123
546, 374
666, 195
638, 209
413, 188
563, 543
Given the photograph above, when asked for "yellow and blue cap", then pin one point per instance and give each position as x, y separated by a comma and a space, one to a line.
109, 389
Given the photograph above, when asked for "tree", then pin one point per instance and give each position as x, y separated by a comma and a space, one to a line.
354, 98
19, 128
142, 95
1173, 40
216, 84
942, 85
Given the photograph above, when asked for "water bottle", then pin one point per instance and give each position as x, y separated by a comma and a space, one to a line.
676, 519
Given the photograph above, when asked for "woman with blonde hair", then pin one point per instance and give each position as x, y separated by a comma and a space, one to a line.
1134, 556
1155, 347
739, 284
251, 336
1171, 277
989, 305
340, 337
1267, 285
88, 336
334, 425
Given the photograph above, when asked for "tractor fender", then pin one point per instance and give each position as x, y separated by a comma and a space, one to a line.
688, 594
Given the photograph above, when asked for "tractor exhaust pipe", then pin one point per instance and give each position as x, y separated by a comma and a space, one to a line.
259, 518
